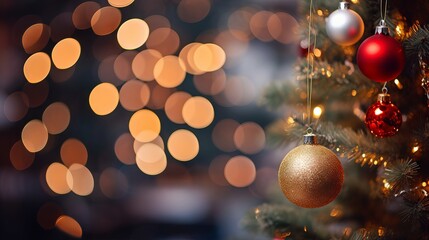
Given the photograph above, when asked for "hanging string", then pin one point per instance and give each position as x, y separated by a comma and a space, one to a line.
310, 68
383, 16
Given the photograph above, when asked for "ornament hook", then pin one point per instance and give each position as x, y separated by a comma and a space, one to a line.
384, 89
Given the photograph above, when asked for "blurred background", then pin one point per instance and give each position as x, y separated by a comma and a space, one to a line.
126, 119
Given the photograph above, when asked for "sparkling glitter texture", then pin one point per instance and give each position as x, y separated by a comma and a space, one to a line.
311, 176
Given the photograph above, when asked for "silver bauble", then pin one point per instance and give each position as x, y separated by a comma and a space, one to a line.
344, 26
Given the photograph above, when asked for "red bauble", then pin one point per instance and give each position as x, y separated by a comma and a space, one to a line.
383, 118
381, 58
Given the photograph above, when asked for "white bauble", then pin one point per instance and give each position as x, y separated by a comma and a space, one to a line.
344, 26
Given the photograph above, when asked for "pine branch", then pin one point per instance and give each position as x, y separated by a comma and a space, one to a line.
400, 174
347, 81
284, 220
359, 146
417, 44
416, 211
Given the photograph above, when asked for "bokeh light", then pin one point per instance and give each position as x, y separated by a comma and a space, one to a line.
151, 159
164, 40
223, 135
158, 141
211, 83
157, 21
183, 145
122, 65
159, 95
104, 98
66, 53
238, 23
80, 180
144, 63
238, 91
209, 57
234, 46
169, 71
48, 214
62, 26
134, 95
34, 136
106, 20
187, 57
35, 37
37, 67
37, 93
198, 112
259, 25
106, 71
113, 183
240, 171
56, 117
216, 170
120, 3
56, 178
61, 75
83, 13
133, 33
249, 138
16, 106
283, 27
144, 125
73, 151
192, 11
20, 157
69, 225
174, 106
124, 149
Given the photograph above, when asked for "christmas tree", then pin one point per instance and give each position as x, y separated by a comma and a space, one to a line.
386, 173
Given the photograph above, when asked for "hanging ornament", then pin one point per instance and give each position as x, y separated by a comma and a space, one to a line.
303, 48
380, 57
424, 67
311, 175
383, 118
344, 26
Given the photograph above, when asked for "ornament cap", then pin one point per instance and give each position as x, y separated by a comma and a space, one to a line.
344, 5
310, 139
384, 98
382, 28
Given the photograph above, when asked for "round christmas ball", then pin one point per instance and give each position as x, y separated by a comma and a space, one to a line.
381, 58
311, 175
383, 118
344, 26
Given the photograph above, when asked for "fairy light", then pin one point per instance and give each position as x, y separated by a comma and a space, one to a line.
320, 12
424, 184
290, 120
317, 112
354, 93
305, 228
317, 52
380, 231
415, 149
398, 84
347, 231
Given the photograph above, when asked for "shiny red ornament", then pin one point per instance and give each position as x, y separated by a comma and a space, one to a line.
383, 118
380, 57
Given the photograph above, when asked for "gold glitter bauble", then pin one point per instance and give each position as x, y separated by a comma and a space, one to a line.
311, 176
